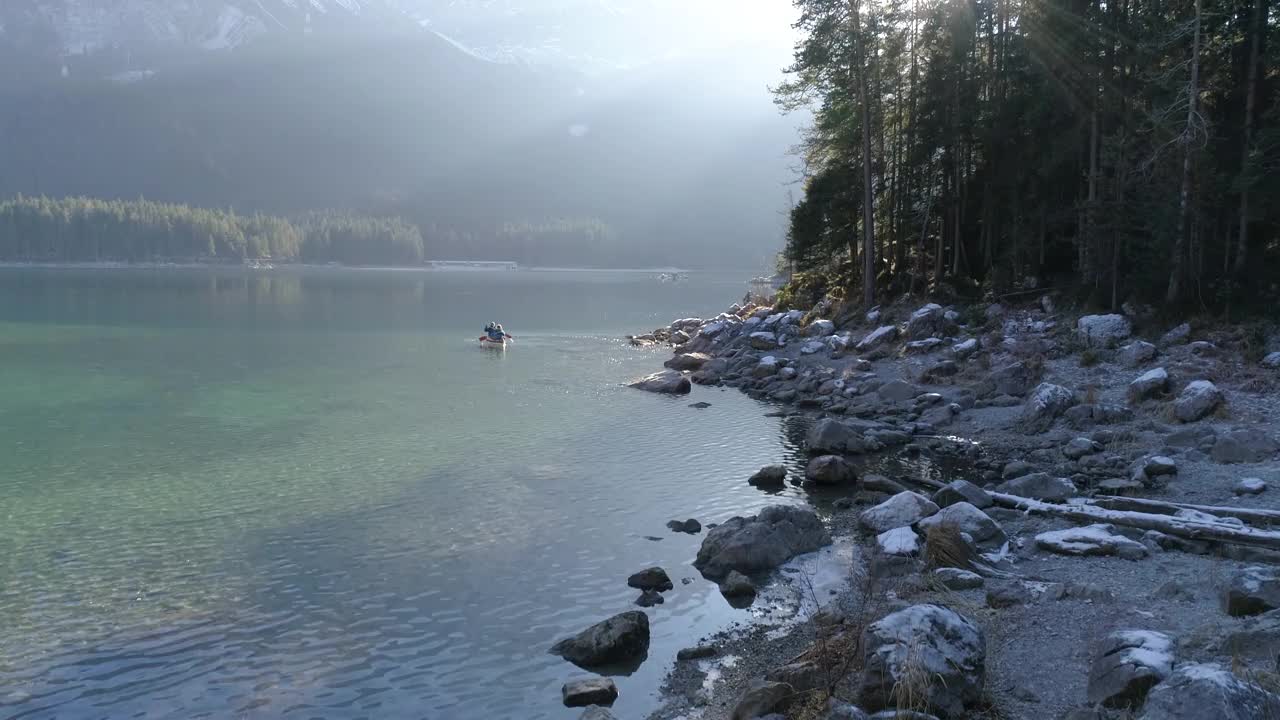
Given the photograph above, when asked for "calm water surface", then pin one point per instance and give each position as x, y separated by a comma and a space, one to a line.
309, 494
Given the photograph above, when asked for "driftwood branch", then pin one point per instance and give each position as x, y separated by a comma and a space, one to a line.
1179, 527
1253, 517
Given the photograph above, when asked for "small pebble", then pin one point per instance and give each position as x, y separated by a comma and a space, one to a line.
1250, 486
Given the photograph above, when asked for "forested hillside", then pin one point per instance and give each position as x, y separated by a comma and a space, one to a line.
1125, 147
87, 230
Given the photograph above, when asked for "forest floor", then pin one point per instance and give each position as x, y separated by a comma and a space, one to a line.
1045, 616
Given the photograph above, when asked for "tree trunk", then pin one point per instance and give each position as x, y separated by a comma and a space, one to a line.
1250, 104
1174, 292
868, 194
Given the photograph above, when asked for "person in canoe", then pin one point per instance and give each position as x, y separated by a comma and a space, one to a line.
494, 333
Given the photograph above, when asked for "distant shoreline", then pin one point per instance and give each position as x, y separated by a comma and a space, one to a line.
268, 267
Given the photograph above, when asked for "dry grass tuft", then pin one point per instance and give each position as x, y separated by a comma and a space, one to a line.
911, 691
945, 547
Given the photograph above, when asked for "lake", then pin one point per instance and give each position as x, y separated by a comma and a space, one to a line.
310, 494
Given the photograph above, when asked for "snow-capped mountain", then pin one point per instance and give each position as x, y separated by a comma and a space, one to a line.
75, 27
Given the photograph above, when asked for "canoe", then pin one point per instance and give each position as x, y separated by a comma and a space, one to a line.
494, 344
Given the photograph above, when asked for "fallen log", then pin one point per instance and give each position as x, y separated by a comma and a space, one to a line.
1255, 517
1179, 527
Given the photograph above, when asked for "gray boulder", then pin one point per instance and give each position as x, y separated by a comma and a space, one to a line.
899, 541
770, 476
957, 579
761, 542
929, 321
1079, 447
1197, 399
1149, 384
820, 328
963, 350
762, 698
1016, 379
1126, 665
877, 337
1198, 691
901, 510
1043, 406
669, 382
832, 436
969, 520
690, 361
763, 340
1090, 540
830, 470
1252, 591
581, 692
1039, 486
962, 491
1250, 486
1103, 330
1007, 593
1177, 336
623, 638
737, 585
649, 598
1136, 354
801, 676
837, 709
898, 391
1244, 445
654, 578
1271, 361
939, 653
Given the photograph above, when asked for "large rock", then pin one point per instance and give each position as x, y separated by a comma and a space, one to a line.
770, 476
1090, 540
1148, 384
1039, 486
929, 321
901, 510
957, 579
1198, 691
1252, 591
832, 436
1244, 445
820, 328
581, 692
737, 585
1103, 330
623, 638
830, 470
1271, 361
1016, 379
762, 698
1126, 665
654, 578
761, 542
1197, 399
763, 340
963, 350
1177, 336
929, 651
1136, 354
688, 361
766, 367
899, 541
969, 520
1044, 405
801, 676
877, 337
671, 382
898, 391
962, 491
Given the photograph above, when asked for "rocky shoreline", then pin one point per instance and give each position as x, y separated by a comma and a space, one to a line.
1106, 546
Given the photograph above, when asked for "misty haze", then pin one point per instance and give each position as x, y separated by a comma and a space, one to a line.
639, 359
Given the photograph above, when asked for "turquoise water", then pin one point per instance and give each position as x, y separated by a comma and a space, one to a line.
310, 494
